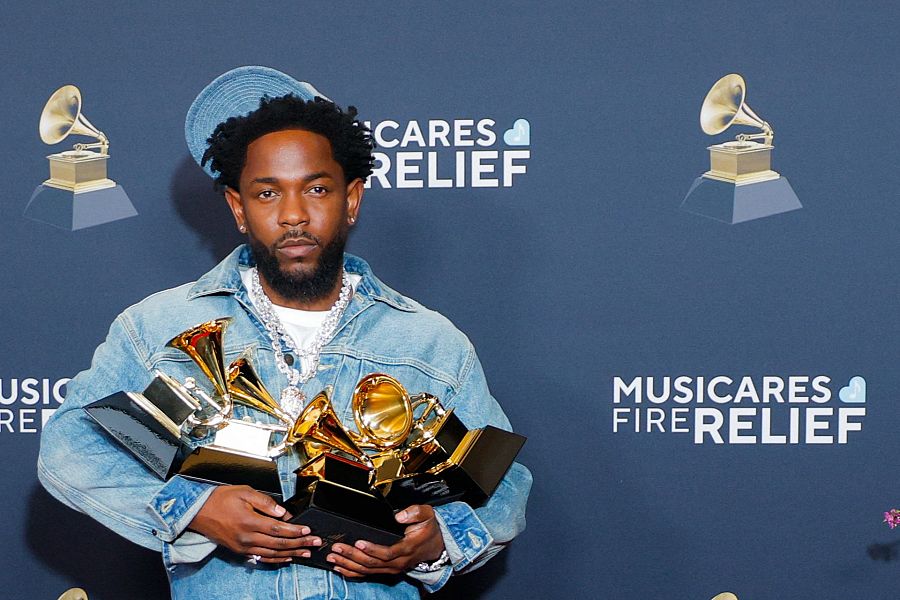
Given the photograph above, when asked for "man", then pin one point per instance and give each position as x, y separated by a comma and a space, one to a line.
293, 170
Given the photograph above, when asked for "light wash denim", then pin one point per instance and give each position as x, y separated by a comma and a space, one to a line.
381, 331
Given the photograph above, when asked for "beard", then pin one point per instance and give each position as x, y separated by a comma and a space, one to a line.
301, 286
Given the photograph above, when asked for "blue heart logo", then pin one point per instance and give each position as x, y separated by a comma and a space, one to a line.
519, 135
854, 392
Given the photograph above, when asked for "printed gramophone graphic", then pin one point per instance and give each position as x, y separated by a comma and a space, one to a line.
78, 193
407, 450
740, 184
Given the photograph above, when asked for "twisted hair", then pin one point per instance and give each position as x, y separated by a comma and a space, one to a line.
351, 141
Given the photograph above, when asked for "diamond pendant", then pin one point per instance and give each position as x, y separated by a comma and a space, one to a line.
293, 401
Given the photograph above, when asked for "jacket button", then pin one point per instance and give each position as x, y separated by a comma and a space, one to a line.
289, 359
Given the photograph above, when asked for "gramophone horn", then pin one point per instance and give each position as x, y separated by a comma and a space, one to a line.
246, 387
203, 343
725, 105
318, 424
62, 117
382, 411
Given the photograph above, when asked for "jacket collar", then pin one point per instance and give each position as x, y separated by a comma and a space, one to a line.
225, 278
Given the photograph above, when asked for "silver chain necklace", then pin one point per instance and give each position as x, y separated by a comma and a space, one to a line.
292, 398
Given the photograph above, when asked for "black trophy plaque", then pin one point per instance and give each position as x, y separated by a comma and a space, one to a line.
481, 462
230, 467
472, 472
123, 417
338, 505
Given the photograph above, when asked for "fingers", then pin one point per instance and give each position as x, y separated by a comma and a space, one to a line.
422, 541
274, 561
263, 503
245, 521
351, 562
417, 513
251, 523
279, 529
276, 546
269, 555
259, 558
256, 530
275, 550
383, 553
275, 537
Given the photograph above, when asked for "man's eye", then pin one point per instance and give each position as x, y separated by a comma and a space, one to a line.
267, 194
318, 190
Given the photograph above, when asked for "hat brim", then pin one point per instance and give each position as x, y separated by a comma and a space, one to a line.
236, 94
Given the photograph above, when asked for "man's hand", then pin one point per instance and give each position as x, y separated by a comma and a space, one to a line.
249, 522
422, 542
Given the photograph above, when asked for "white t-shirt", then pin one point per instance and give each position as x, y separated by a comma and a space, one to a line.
301, 325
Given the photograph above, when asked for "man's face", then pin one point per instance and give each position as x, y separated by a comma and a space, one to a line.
297, 209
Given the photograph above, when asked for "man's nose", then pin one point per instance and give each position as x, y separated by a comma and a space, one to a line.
293, 209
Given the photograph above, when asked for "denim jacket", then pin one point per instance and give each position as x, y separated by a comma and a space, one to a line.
380, 331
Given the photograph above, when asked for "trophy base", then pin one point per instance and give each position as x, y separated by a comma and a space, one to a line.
471, 473
422, 488
230, 467
78, 210
741, 162
340, 514
79, 171
124, 418
736, 203
481, 462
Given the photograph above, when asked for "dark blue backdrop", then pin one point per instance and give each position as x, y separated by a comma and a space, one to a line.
584, 270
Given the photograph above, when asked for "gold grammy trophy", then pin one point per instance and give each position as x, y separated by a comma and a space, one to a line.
162, 425
78, 193
740, 184
241, 451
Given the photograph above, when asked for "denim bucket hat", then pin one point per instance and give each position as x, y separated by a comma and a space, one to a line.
235, 94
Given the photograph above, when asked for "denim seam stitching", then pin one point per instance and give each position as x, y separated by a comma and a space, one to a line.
133, 337
401, 361
464, 374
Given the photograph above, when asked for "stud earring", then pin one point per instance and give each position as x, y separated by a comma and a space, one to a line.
242, 229
352, 220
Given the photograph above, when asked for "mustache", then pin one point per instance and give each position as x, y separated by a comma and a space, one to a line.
297, 234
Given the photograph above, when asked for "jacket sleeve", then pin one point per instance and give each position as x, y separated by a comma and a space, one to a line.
86, 469
473, 536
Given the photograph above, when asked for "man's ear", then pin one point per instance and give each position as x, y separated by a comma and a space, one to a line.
355, 191
233, 197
